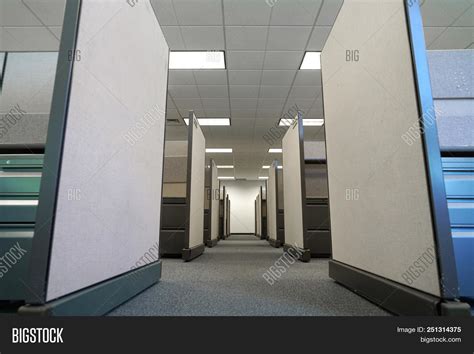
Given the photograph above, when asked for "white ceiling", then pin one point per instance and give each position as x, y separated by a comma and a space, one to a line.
264, 42
264, 47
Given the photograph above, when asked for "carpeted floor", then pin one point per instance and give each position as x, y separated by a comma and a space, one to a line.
227, 280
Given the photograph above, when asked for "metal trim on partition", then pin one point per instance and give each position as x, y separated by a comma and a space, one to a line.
188, 179
45, 217
432, 155
299, 123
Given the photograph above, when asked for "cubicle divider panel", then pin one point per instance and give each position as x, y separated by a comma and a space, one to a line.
214, 203
272, 209
381, 216
99, 209
280, 207
195, 190
258, 231
293, 184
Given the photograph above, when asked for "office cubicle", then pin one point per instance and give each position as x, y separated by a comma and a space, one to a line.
100, 166
390, 225
212, 201
306, 215
272, 206
182, 232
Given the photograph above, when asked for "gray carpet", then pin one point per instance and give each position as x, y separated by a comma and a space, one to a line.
227, 281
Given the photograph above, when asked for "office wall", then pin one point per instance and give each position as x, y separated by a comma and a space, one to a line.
196, 182
379, 199
119, 83
242, 195
292, 185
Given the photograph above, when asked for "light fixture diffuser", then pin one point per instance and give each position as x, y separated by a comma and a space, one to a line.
225, 166
275, 150
307, 122
219, 150
311, 61
217, 122
227, 178
196, 60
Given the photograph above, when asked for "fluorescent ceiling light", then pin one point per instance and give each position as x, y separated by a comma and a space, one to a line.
229, 178
210, 59
211, 121
219, 150
262, 177
311, 61
285, 122
275, 151
265, 167
226, 166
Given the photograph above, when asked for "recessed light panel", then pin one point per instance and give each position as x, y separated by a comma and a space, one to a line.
275, 150
219, 150
311, 61
307, 122
197, 60
217, 122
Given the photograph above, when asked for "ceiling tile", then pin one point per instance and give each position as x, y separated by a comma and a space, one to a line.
173, 37
278, 77
431, 33
246, 12
295, 12
244, 103
181, 77
213, 91
329, 12
271, 104
20, 39
454, 38
243, 91
305, 92
187, 104
218, 113
245, 60
183, 91
466, 19
318, 38
17, 14
243, 113
283, 60
244, 77
51, 12
215, 103
308, 78
210, 77
164, 12
202, 12
442, 12
246, 37
274, 91
172, 114
203, 37
288, 37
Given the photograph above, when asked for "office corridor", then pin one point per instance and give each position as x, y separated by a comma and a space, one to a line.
227, 281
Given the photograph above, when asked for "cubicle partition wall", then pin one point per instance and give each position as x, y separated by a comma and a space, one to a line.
280, 207
222, 210
183, 226
194, 236
213, 198
294, 190
100, 193
391, 235
272, 206
453, 95
227, 217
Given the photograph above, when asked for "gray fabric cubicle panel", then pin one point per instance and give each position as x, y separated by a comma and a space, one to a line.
281, 199
315, 150
258, 231
293, 184
387, 224
214, 201
27, 94
272, 195
452, 81
316, 180
196, 182
113, 148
